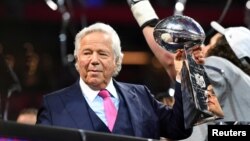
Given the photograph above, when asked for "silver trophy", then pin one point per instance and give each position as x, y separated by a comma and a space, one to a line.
184, 33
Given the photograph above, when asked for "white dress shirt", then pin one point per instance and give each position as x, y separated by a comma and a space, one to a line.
95, 101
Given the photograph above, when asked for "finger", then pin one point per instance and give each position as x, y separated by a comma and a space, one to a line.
199, 57
178, 55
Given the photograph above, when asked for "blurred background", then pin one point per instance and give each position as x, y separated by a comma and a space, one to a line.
37, 42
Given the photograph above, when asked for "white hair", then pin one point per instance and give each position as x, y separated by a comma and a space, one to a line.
116, 43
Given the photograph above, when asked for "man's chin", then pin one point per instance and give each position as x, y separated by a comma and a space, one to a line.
95, 83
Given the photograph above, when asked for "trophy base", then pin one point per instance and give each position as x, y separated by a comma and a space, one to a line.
193, 98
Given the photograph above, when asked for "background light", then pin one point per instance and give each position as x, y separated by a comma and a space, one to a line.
52, 4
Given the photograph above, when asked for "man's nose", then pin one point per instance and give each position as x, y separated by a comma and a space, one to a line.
208, 94
94, 59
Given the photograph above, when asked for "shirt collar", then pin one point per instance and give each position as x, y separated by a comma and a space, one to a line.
91, 94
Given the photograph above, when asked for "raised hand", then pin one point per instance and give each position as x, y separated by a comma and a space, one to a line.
198, 55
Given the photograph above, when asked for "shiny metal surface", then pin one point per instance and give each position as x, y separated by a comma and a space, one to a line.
178, 32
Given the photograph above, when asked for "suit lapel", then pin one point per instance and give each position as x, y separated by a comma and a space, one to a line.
134, 106
76, 105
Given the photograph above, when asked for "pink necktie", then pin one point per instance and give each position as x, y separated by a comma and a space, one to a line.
109, 108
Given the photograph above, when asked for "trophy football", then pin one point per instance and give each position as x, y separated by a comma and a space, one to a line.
184, 33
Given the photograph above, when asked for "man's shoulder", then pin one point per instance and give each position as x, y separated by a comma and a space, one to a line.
227, 67
62, 91
219, 61
129, 85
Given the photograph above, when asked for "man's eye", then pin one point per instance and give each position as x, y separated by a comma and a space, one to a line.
86, 53
103, 54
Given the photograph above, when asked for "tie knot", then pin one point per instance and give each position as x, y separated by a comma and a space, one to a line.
104, 93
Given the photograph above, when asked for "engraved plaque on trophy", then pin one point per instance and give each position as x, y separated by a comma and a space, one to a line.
184, 33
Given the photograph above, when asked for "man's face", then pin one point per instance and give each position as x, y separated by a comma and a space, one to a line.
95, 60
213, 103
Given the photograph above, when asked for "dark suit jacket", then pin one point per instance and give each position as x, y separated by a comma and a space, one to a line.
149, 118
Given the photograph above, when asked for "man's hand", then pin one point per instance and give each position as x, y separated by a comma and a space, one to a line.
143, 12
198, 55
178, 63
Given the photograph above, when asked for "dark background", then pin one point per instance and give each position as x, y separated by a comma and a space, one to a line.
29, 36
